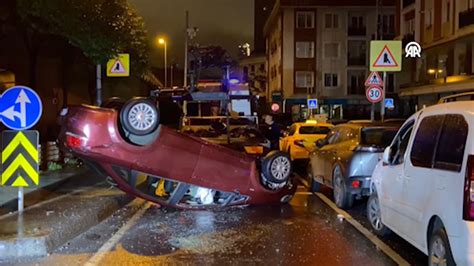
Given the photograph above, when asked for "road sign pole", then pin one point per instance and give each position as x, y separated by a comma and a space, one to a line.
98, 85
382, 103
20, 199
372, 112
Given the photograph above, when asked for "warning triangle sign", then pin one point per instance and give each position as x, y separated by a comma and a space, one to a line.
117, 68
385, 59
374, 79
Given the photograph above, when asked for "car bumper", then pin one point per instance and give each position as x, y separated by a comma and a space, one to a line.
359, 186
462, 247
298, 153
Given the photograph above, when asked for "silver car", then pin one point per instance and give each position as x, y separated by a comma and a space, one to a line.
346, 158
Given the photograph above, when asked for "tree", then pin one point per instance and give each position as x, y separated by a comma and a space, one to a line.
99, 28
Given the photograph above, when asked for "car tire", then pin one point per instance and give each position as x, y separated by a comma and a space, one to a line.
439, 250
342, 197
139, 116
374, 216
276, 167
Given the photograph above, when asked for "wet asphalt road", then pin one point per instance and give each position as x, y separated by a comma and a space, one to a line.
304, 232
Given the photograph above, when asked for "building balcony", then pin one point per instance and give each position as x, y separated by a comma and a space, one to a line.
466, 18
356, 61
407, 3
355, 90
356, 31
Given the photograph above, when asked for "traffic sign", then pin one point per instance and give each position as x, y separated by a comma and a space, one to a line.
374, 94
119, 67
389, 103
374, 79
20, 108
385, 56
312, 103
20, 158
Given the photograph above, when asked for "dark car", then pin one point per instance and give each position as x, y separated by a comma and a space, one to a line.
167, 167
346, 158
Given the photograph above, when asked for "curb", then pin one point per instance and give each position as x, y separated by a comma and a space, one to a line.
47, 227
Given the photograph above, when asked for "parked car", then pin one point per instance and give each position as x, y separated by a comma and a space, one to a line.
193, 173
424, 187
301, 138
346, 158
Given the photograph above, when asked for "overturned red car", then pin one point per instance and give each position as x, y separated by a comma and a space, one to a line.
162, 165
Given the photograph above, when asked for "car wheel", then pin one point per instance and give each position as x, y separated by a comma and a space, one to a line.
276, 167
342, 198
439, 252
139, 116
374, 216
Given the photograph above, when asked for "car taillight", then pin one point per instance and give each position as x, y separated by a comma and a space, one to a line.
469, 190
299, 143
362, 148
74, 141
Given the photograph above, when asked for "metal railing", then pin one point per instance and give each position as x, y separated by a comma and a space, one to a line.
356, 31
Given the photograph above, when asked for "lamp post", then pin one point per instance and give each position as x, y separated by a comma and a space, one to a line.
163, 42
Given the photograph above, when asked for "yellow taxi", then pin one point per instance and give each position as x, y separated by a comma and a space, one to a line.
301, 138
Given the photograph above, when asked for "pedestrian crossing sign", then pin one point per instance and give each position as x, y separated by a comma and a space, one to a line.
312, 103
119, 67
374, 79
385, 56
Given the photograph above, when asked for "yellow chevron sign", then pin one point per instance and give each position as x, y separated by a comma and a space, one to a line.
20, 158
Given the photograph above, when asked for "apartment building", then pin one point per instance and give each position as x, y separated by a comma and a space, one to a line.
445, 30
319, 48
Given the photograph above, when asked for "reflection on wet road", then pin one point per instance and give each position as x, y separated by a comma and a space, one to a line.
305, 232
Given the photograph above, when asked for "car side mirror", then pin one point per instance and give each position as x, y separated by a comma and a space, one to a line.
387, 158
320, 143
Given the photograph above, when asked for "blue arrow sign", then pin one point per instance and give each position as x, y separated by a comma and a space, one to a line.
389, 103
312, 103
20, 108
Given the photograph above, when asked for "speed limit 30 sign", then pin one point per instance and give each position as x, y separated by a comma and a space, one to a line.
374, 94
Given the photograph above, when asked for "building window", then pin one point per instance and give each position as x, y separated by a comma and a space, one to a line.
429, 18
304, 20
331, 21
304, 49
356, 53
357, 22
304, 79
331, 50
356, 79
388, 23
252, 68
330, 80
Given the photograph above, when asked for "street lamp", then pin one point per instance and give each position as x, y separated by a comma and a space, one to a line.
163, 42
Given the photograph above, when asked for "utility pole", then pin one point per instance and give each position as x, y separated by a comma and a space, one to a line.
186, 50
376, 37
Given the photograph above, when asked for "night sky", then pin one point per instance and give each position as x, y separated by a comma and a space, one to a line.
222, 22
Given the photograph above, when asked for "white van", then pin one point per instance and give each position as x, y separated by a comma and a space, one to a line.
424, 186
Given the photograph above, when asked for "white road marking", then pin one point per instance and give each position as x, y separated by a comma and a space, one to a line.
374, 239
364, 231
110, 244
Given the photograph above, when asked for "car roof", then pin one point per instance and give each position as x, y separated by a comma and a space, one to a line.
313, 124
461, 107
370, 125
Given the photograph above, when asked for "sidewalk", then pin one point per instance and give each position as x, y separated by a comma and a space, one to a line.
49, 179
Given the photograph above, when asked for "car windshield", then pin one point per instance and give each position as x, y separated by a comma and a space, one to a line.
314, 130
380, 137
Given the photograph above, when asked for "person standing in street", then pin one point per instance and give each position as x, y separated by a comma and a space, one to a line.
272, 131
